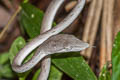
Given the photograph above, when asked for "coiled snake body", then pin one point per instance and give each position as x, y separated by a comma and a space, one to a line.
49, 42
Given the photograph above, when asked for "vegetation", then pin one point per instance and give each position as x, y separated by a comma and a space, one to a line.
72, 65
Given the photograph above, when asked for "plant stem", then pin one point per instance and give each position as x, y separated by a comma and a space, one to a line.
9, 22
94, 26
103, 46
109, 28
88, 24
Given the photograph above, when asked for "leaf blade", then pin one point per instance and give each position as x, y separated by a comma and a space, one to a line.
31, 19
116, 58
105, 74
15, 48
74, 66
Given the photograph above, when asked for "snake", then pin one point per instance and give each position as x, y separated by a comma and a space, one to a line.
50, 41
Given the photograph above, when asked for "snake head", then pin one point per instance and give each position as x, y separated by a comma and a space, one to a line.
70, 43
63, 43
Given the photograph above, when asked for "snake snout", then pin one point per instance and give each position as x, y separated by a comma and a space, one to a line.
80, 46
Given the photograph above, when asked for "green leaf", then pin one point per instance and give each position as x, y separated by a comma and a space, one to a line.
5, 68
15, 47
37, 73
31, 19
55, 74
25, 1
74, 65
116, 58
105, 74
6, 71
4, 58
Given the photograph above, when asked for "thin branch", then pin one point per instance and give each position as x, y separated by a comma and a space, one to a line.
103, 45
94, 27
88, 24
116, 18
9, 22
109, 29
89, 21
70, 5
87, 1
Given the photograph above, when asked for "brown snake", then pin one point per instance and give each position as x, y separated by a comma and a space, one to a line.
49, 42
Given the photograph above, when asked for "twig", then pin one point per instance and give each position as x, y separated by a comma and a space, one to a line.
9, 22
109, 29
89, 21
87, 1
88, 24
103, 35
116, 18
70, 5
94, 26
